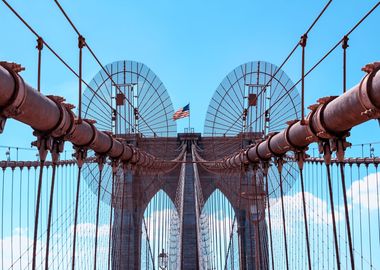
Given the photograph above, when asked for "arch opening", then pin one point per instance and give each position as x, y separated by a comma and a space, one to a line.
223, 235
156, 231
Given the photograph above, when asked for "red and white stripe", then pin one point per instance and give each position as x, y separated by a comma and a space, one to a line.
180, 114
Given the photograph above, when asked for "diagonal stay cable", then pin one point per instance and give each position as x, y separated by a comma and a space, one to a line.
294, 48
57, 55
288, 57
325, 55
99, 62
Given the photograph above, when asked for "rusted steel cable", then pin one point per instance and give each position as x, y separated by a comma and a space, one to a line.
305, 220
295, 48
318, 17
98, 61
81, 44
110, 225
269, 221
97, 214
333, 216
284, 222
40, 45
76, 217
56, 118
303, 43
332, 117
59, 57
324, 56
347, 216
50, 217
344, 47
260, 254
38, 201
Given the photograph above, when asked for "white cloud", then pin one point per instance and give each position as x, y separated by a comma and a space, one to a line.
23, 247
317, 210
16, 245
360, 186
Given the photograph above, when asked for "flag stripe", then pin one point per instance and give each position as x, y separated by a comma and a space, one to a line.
182, 113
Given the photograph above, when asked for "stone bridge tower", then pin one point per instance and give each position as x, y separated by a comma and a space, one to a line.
135, 192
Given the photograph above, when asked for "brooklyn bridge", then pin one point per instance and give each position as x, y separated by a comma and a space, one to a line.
111, 182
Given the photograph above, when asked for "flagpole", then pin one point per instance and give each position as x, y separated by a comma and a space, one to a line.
189, 117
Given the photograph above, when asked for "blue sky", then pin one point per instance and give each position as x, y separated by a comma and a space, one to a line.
191, 46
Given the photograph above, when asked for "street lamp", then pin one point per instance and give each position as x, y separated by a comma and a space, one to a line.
163, 260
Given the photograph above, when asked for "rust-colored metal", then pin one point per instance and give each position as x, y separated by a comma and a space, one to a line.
34, 164
120, 99
252, 99
53, 117
303, 42
350, 161
330, 118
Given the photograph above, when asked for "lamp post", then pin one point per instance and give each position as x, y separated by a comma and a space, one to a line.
163, 260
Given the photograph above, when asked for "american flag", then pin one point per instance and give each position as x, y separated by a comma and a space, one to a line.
182, 112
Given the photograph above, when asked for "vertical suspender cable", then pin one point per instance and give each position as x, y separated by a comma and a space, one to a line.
360, 218
129, 215
81, 44
369, 221
333, 215
97, 214
38, 201
258, 222
76, 216
122, 217
378, 201
219, 229
270, 222
352, 209
27, 212
40, 45
305, 219
303, 42
20, 201
111, 213
49, 216
348, 227
279, 167
2, 219
12, 192
345, 46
